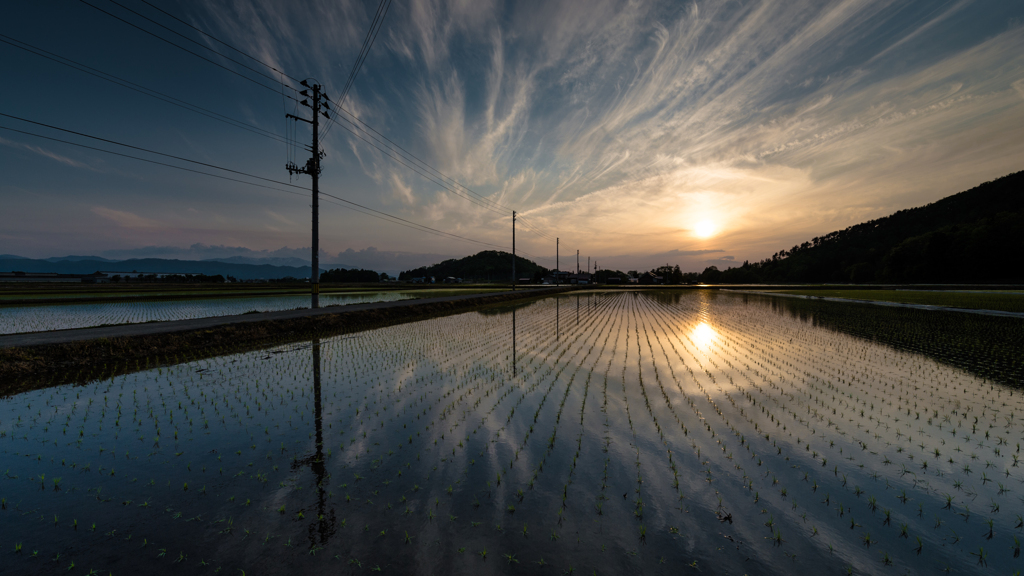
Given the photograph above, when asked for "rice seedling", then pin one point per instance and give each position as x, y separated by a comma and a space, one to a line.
752, 390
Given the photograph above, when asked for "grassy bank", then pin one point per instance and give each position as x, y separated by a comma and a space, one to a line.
112, 293
1002, 301
32, 367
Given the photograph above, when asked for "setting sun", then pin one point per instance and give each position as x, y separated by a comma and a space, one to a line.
704, 229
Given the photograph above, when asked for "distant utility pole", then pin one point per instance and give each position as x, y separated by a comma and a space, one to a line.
557, 283
513, 251
577, 262
588, 264
312, 168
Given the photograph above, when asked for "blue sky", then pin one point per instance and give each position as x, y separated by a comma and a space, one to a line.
641, 133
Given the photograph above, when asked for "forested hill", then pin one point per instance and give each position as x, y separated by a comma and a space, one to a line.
971, 237
489, 265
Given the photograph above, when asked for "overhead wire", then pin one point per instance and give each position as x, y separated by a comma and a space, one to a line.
346, 203
376, 25
479, 201
415, 169
84, 135
421, 226
153, 161
409, 157
146, 91
371, 36
217, 64
197, 43
218, 40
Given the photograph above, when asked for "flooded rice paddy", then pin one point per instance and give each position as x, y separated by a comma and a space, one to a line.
18, 319
601, 433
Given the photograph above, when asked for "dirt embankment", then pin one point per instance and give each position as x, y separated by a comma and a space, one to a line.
31, 367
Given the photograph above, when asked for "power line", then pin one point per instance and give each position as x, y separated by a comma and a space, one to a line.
419, 226
347, 203
106, 76
371, 36
217, 64
116, 143
429, 177
477, 199
218, 40
396, 158
197, 43
364, 50
412, 157
444, 186
376, 24
148, 160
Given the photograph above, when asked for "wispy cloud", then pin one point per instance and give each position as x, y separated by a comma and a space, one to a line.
124, 219
280, 218
622, 124
47, 153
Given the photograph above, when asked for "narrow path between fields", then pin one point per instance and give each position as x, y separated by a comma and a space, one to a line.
884, 303
149, 328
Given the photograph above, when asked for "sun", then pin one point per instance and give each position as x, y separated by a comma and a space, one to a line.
704, 229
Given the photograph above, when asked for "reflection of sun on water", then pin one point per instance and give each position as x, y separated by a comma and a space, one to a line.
704, 335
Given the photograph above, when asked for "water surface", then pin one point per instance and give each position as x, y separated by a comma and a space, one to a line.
604, 432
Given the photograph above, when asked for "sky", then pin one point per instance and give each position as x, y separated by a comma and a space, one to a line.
639, 133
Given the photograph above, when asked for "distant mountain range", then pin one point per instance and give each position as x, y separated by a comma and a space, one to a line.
367, 258
971, 237
87, 265
289, 261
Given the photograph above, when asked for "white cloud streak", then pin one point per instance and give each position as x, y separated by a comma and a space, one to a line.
777, 120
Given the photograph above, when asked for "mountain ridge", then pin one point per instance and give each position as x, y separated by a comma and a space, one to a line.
155, 265
972, 236
488, 265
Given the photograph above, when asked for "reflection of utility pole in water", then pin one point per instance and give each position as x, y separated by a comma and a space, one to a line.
513, 342
323, 527
577, 310
558, 315
513, 253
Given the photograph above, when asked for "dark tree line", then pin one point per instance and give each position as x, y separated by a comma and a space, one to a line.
353, 275
970, 237
170, 278
488, 266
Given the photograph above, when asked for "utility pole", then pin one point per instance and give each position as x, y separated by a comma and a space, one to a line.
557, 283
588, 264
513, 256
312, 168
577, 262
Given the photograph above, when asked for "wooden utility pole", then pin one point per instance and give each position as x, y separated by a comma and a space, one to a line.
312, 168
513, 254
556, 262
